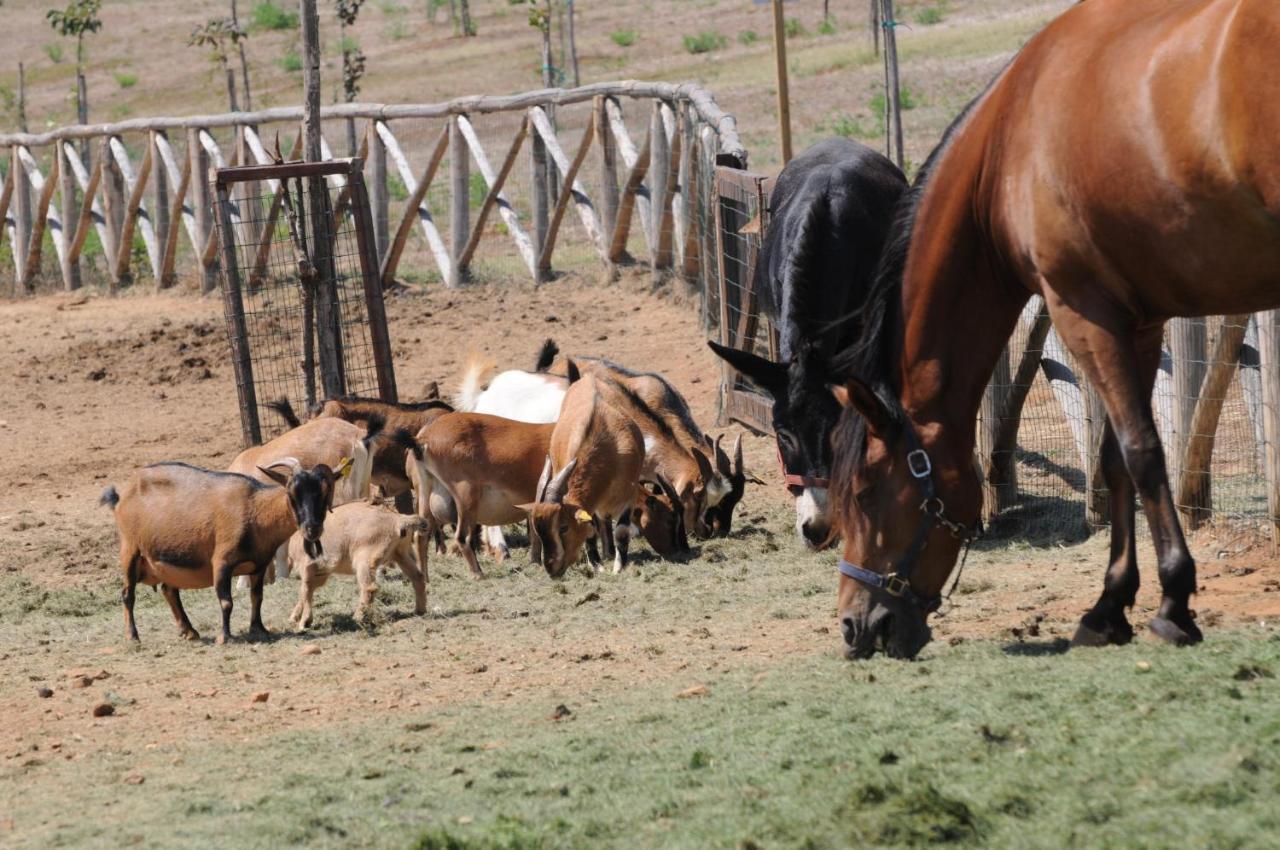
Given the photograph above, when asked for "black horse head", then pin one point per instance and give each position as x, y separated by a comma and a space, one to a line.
804, 412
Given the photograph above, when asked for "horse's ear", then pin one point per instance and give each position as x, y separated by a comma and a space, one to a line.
765, 374
856, 394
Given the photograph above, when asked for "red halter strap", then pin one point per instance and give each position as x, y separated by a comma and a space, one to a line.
795, 483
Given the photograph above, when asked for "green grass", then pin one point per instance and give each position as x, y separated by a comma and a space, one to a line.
930, 15
290, 62
976, 745
794, 28
269, 16
623, 38
827, 27
704, 42
53, 50
125, 80
748, 37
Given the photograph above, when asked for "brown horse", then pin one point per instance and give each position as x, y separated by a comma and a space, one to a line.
1125, 166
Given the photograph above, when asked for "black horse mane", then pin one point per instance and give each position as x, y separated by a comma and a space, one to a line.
870, 358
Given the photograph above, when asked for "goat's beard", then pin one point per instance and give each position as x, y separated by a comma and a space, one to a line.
312, 548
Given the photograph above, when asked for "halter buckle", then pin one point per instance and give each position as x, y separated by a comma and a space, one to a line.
896, 586
919, 464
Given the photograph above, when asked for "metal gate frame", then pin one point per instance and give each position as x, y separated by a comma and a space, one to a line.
353, 201
739, 237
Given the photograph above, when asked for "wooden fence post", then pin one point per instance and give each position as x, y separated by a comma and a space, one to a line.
70, 216
162, 220
999, 463
893, 123
22, 220
202, 207
780, 66
1193, 493
659, 169
1269, 366
541, 204
460, 196
379, 200
1097, 502
608, 175
241, 357
1188, 348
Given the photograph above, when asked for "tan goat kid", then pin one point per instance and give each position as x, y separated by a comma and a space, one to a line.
185, 528
358, 539
592, 470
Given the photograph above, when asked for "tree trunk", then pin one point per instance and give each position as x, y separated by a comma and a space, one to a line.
231, 86
22, 98
464, 10
572, 43
244, 62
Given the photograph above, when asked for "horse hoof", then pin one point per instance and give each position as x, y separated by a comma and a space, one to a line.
1170, 632
1086, 636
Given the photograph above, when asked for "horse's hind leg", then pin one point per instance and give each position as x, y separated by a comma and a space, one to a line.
1106, 622
1121, 361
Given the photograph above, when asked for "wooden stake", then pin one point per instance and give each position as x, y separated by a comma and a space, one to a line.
893, 125
784, 96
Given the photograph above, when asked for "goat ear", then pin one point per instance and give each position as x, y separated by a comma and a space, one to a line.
767, 375
704, 465
270, 472
572, 372
858, 395
527, 507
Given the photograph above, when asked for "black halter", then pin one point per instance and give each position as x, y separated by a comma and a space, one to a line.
898, 583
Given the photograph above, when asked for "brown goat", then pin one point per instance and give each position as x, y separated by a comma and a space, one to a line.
185, 528
592, 470
388, 470
487, 465
319, 441
664, 416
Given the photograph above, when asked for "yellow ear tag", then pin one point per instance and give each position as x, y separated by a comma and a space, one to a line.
582, 516
344, 468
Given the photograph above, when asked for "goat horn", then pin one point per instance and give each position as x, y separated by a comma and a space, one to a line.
540, 494
722, 459
559, 485
737, 456
295, 465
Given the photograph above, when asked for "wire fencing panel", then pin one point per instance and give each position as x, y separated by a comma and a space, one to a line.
1211, 404
278, 277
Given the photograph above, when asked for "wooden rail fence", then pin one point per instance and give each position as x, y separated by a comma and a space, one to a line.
134, 203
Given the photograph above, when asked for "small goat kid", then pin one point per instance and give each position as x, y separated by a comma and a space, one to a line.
185, 528
358, 539
592, 470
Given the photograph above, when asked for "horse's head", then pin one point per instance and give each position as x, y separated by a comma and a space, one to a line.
803, 415
897, 493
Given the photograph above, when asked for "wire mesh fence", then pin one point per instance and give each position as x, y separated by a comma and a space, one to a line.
303, 303
1212, 400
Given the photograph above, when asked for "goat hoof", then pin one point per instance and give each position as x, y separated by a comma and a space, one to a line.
189, 634
221, 640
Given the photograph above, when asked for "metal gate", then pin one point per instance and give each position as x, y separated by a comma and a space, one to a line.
742, 217
301, 288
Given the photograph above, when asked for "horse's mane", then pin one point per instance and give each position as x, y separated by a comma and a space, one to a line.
870, 358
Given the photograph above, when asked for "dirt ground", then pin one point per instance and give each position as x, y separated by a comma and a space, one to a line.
98, 386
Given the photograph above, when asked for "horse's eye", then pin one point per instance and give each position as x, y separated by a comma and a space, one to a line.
863, 496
